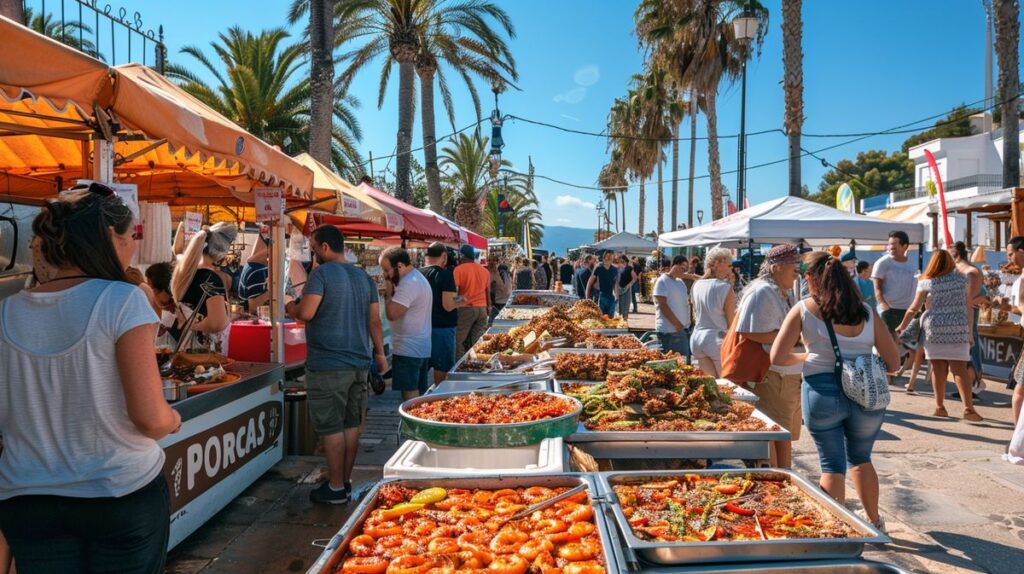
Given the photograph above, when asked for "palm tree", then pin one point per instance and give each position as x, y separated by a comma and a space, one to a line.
612, 180
321, 78
625, 129
792, 60
693, 160
459, 37
523, 203
1007, 24
255, 88
466, 162
13, 10
70, 33
661, 111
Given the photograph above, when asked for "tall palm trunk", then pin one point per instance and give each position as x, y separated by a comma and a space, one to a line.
405, 55
431, 172
623, 209
661, 199
693, 160
321, 79
13, 9
642, 207
1007, 41
792, 57
714, 168
675, 174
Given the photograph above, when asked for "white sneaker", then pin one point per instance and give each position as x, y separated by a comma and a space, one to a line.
879, 524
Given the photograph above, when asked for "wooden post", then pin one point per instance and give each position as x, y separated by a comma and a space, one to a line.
968, 235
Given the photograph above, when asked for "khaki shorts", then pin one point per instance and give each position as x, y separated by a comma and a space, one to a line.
780, 400
337, 399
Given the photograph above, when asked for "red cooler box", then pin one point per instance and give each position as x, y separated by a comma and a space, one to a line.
251, 342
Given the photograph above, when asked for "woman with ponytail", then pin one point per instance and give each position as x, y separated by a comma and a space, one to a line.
195, 274
947, 329
81, 404
843, 432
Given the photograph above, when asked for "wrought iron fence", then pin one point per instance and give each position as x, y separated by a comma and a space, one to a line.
113, 35
981, 181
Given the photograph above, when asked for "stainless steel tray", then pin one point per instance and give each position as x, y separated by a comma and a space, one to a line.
584, 435
569, 297
330, 558
456, 375
737, 394
745, 551
807, 567
466, 385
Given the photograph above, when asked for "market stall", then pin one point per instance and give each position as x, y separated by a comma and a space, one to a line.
628, 243
68, 117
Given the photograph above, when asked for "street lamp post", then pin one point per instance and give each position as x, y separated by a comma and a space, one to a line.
700, 216
745, 29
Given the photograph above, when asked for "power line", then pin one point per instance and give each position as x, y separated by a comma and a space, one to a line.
422, 147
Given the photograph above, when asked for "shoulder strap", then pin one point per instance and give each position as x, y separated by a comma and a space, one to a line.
835, 347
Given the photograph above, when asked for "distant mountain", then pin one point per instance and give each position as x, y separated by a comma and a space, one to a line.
561, 239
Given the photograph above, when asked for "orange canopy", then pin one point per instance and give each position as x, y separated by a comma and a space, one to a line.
174, 147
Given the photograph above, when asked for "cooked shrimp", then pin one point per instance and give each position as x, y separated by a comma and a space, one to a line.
412, 564
508, 541
537, 493
508, 564
382, 529
475, 541
506, 493
545, 563
576, 512
420, 527
585, 567
580, 529
362, 545
550, 526
505, 507
468, 559
575, 551
533, 548
364, 565
445, 531
443, 546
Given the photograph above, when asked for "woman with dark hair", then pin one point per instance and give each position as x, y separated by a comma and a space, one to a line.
947, 329
843, 432
81, 404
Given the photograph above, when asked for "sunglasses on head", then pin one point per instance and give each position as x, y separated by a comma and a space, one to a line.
106, 191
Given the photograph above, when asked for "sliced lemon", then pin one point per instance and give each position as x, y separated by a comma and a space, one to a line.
429, 496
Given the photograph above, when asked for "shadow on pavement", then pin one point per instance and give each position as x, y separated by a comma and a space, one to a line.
906, 420
991, 556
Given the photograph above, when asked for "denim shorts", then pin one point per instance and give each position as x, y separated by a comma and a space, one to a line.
843, 432
410, 373
442, 348
678, 342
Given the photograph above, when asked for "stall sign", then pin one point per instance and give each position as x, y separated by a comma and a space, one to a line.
193, 223
269, 204
196, 464
999, 354
393, 221
350, 206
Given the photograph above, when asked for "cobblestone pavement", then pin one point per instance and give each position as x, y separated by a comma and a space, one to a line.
951, 504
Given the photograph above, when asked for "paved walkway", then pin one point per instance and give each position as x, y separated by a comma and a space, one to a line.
951, 504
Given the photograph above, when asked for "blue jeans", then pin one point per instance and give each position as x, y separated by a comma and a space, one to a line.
607, 304
678, 342
632, 296
843, 432
410, 373
442, 348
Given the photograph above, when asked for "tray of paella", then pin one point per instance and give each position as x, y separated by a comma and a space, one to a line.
464, 524
661, 401
504, 366
725, 515
537, 298
489, 419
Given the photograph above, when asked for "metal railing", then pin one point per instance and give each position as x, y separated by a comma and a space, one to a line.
981, 181
109, 34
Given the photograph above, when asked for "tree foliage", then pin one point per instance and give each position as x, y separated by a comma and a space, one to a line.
873, 172
956, 124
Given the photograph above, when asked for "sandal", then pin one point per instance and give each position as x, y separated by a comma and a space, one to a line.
940, 412
972, 416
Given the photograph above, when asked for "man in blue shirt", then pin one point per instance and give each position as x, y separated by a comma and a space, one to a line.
340, 307
582, 276
605, 276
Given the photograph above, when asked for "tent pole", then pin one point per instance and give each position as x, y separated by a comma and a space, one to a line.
920, 256
853, 247
750, 262
276, 287
103, 160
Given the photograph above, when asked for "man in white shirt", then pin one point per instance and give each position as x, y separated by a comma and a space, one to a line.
672, 309
895, 279
409, 301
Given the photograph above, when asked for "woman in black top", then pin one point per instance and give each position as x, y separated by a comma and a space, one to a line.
638, 268
195, 274
627, 277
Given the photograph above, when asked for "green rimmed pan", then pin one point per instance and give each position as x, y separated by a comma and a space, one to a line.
486, 435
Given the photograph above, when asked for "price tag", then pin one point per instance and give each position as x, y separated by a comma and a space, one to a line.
269, 203
193, 223
350, 206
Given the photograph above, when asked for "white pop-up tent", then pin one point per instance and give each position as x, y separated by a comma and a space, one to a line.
628, 243
791, 220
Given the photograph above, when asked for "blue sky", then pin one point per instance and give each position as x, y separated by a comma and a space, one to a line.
869, 65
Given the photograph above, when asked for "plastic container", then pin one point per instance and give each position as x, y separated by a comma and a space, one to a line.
250, 341
416, 459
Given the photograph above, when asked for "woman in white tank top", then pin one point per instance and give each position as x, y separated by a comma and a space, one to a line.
843, 432
714, 304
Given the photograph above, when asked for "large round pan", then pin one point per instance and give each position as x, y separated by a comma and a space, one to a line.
486, 435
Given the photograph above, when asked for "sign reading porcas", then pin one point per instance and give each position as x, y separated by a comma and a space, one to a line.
269, 203
194, 465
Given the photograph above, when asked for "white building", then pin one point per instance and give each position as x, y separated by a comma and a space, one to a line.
971, 171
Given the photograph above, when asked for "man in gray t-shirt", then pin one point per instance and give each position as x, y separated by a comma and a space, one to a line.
895, 279
340, 307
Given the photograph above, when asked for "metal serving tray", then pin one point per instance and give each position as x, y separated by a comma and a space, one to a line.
808, 567
484, 435
737, 394
745, 551
330, 558
584, 435
569, 298
456, 375
467, 385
